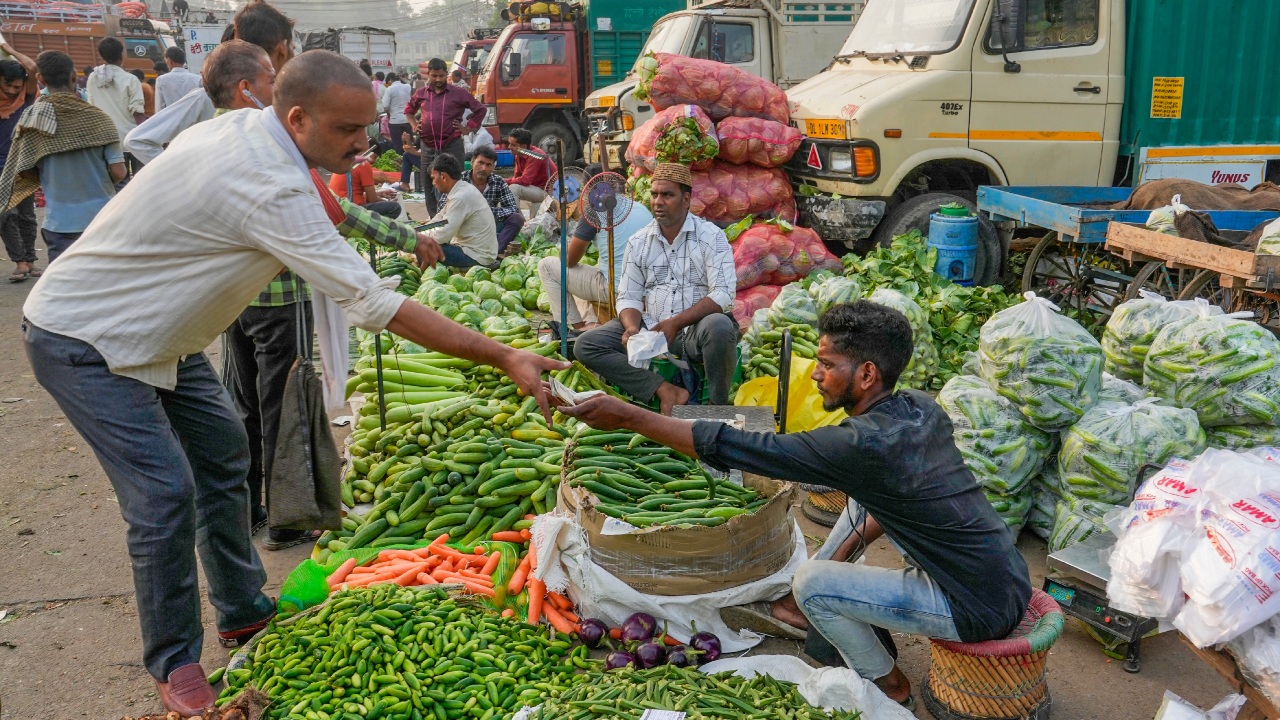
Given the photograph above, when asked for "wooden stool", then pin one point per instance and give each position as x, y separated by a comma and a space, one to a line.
998, 678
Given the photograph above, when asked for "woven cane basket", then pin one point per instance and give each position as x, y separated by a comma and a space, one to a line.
997, 678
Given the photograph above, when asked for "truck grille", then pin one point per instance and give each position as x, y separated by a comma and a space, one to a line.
599, 123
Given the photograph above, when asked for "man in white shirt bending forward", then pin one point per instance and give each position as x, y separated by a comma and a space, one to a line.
116, 328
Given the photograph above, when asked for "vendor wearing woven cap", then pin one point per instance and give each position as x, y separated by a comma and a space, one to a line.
677, 279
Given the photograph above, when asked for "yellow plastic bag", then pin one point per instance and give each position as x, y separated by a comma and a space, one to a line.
804, 404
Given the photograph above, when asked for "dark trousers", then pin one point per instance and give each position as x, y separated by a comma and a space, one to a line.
508, 229
712, 343
455, 148
57, 242
397, 133
261, 346
455, 257
407, 164
177, 461
386, 208
18, 228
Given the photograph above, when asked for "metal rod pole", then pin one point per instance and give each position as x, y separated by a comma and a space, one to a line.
613, 301
564, 254
377, 353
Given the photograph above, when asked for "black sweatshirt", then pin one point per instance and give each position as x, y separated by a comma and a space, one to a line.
898, 460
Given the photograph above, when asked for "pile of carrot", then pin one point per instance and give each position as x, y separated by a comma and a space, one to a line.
556, 608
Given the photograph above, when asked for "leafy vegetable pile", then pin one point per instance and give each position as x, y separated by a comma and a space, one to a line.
1103, 454
639, 186
1044, 363
388, 161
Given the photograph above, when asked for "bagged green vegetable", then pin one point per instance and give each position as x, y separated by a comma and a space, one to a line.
833, 291
1046, 364
1115, 390
1224, 367
1076, 520
1243, 437
1045, 496
1002, 449
793, 306
1012, 509
924, 356
1269, 243
1103, 454
1133, 326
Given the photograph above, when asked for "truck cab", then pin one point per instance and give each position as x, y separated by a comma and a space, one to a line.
471, 54
928, 99
533, 78
784, 42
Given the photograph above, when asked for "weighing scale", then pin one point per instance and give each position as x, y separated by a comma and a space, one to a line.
1079, 582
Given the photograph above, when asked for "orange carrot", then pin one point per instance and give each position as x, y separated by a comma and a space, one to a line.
561, 602
570, 616
518, 578
478, 550
511, 536
426, 579
409, 576
537, 595
508, 613
526, 535
615, 633
342, 572
668, 640
530, 516
479, 589
492, 563
533, 557
557, 620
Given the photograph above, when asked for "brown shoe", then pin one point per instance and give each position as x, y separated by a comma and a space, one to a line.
240, 636
188, 691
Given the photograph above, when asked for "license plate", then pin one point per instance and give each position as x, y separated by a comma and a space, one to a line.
828, 129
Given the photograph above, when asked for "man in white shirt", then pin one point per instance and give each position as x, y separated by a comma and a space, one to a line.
173, 85
470, 236
678, 279
394, 98
116, 328
258, 23
116, 92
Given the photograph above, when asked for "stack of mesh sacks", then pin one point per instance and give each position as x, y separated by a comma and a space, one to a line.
1208, 529
769, 255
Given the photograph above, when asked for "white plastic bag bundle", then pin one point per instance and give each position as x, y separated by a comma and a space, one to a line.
924, 356
1002, 449
1134, 325
1044, 363
1103, 454
1161, 220
1225, 367
1269, 243
1231, 571
1257, 652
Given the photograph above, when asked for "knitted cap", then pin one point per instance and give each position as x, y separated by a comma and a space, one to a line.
678, 174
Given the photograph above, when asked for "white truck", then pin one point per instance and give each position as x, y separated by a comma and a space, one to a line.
358, 43
783, 41
929, 99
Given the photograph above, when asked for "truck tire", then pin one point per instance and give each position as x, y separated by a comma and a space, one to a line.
549, 132
913, 214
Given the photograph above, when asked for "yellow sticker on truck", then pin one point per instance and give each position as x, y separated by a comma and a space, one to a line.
826, 129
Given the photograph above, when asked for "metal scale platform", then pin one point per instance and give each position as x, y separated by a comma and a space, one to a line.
1078, 581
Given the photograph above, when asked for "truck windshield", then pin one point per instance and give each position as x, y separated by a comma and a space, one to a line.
668, 36
908, 27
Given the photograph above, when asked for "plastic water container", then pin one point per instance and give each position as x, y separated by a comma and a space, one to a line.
506, 158
953, 231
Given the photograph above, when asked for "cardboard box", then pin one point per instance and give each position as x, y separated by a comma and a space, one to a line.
692, 560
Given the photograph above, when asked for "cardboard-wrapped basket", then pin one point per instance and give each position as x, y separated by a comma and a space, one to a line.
692, 560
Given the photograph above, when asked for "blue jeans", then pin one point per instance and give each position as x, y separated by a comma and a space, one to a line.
454, 257
843, 600
58, 242
177, 460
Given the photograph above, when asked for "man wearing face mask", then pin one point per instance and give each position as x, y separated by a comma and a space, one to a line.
115, 331
896, 459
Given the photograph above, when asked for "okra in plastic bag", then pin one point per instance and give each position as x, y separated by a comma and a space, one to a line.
1132, 328
1002, 449
924, 356
1044, 363
1224, 367
1103, 454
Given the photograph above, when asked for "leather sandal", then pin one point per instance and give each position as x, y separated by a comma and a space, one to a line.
187, 691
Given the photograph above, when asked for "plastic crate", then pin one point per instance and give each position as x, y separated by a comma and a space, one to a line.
506, 158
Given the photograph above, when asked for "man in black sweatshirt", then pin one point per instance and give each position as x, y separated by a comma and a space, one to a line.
895, 458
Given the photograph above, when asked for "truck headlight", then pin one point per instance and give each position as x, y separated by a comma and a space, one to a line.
628, 121
490, 115
841, 161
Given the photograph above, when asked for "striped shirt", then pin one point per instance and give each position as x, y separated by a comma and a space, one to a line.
663, 279
146, 288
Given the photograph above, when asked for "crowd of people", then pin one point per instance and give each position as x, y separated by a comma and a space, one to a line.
116, 327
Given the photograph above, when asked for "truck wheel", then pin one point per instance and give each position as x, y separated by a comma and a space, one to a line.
913, 214
549, 132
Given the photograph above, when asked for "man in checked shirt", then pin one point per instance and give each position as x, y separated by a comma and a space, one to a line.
678, 279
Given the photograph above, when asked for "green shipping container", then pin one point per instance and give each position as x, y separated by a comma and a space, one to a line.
1220, 57
618, 30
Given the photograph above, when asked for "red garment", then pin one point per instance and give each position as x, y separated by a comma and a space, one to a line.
534, 172
440, 110
361, 177
332, 207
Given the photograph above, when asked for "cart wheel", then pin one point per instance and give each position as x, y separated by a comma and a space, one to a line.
1080, 278
1157, 277
1265, 306
1205, 285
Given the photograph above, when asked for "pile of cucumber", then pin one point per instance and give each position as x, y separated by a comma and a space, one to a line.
646, 484
765, 359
